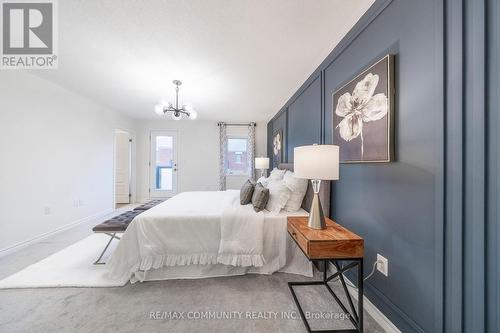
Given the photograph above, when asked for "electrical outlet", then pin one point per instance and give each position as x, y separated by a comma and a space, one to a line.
382, 265
47, 210
80, 203
75, 203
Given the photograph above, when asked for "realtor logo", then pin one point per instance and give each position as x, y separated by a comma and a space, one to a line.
28, 35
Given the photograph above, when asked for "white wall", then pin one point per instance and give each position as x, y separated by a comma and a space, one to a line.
56, 151
198, 154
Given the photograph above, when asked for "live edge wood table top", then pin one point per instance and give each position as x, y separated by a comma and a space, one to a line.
334, 242
335, 245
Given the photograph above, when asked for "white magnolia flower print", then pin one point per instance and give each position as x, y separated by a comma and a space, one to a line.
277, 144
362, 106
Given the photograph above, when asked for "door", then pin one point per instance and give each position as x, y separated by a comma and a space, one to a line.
163, 164
122, 167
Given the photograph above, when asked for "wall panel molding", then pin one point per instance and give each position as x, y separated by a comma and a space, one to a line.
304, 118
466, 218
453, 81
493, 167
465, 167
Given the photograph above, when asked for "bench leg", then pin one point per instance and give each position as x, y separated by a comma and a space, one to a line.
111, 237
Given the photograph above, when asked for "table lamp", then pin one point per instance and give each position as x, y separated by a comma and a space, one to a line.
262, 163
317, 163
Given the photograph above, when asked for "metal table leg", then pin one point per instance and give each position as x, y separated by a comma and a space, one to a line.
356, 318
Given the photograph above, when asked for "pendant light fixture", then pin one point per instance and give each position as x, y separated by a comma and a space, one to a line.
177, 113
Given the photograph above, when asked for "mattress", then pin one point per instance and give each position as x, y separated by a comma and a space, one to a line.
180, 238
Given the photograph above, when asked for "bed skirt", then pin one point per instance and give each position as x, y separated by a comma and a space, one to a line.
296, 263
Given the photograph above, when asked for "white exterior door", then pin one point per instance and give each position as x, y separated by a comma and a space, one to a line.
163, 164
122, 167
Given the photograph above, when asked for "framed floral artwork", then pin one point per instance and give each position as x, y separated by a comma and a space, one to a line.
363, 115
277, 147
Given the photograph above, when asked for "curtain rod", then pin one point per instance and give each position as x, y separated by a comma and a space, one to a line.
237, 124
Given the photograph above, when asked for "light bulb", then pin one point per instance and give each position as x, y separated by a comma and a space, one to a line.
159, 109
187, 107
176, 116
193, 115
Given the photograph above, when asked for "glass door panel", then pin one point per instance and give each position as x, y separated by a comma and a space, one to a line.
163, 173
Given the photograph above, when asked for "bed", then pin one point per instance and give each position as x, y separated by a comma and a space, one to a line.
209, 234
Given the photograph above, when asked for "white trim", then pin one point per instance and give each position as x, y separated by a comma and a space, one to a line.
143, 200
376, 314
131, 196
164, 194
20, 245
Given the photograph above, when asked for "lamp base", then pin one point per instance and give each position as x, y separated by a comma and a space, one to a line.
316, 216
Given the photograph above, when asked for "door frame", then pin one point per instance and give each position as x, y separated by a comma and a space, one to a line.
175, 157
131, 157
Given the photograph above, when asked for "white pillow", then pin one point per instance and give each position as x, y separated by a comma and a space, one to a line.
298, 187
263, 180
277, 174
279, 194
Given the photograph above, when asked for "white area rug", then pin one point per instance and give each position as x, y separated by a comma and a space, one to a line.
70, 267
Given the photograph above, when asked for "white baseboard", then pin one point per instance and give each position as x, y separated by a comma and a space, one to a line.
20, 245
376, 314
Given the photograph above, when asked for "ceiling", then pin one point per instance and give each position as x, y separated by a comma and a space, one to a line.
239, 60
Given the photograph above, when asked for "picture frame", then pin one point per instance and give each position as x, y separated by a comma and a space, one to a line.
363, 115
277, 147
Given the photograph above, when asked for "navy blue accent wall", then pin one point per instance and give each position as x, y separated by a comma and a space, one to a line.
471, 166
304, 118
396, 207
269, 142
279, 122
493, 168
433, 212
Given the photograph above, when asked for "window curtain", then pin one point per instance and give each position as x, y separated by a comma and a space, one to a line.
222, 156
251, 151
240, 131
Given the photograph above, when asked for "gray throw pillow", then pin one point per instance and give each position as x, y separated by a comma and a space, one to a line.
260, 197
246, 192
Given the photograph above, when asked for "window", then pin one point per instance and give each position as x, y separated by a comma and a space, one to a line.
236, 163
163, 163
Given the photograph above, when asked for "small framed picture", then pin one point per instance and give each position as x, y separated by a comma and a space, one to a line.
277, 147
363, 115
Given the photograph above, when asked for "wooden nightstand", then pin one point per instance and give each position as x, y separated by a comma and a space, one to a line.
333, 244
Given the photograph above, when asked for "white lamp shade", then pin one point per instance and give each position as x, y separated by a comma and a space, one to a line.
316, 162
262, 163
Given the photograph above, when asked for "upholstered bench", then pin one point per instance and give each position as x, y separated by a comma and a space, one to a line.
119, 224
149, 204
113, 226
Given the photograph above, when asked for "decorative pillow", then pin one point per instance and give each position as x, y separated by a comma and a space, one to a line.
263, 180
276, 174
279, 194
260, 197
298, 186
246, 192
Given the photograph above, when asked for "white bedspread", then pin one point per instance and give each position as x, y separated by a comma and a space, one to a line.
242, 239
203, 229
